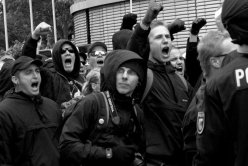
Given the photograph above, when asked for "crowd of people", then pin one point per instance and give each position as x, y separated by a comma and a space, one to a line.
144, 103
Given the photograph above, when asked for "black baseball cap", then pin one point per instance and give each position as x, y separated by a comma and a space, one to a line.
24, 62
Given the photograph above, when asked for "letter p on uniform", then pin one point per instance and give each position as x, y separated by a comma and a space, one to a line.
239, 74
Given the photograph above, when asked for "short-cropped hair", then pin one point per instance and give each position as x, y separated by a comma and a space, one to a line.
210, 46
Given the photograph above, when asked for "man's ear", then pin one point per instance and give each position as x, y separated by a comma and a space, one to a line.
93, 85
215, 62
15, 80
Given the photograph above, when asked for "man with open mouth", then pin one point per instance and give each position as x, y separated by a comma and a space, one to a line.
28, 121
64, 82
177, 61
165, 103
96, 54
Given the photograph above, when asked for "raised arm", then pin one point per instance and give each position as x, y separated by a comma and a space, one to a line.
29, 48
139, 40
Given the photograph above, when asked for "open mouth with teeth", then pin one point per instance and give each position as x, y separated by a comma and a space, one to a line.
68, 61
35, 85
180, 69
100, 61
165, 50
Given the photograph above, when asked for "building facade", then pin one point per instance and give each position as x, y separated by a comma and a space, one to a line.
98, 20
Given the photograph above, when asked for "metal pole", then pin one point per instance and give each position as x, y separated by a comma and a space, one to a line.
31, 15
5, 26
131, 6
54, 22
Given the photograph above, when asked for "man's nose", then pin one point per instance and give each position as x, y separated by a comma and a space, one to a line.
124, 75
165, 40
35, 74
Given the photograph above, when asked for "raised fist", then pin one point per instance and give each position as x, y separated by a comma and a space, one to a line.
197, 24
152, 12
128, 21
42, 29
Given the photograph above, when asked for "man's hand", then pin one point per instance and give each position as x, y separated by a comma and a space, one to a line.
152, 12
176, 26
128, 21
42, 29
197, 24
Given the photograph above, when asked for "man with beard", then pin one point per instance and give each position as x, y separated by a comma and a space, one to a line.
165, 103
177, 61
28, 121
63, 82
211, 52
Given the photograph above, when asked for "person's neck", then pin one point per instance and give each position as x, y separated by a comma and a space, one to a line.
242, 48
155, 61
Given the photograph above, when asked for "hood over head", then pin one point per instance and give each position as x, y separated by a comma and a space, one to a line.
234, 18
57, 59
116, 59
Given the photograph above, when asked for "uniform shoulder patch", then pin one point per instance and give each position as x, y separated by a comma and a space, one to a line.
200, 122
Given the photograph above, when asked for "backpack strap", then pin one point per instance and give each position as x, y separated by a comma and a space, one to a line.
103, 117
149, 81
106, 106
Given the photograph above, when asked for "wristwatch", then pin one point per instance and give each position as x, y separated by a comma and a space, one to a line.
109, 153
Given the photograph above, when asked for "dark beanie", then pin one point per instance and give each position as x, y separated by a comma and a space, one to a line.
234, 18
92, 46
120, 38
135, 66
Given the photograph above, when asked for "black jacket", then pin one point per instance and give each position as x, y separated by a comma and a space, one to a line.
28, 131
164, 106
78, 144
192, 65
189, 125
222, 128
56, 83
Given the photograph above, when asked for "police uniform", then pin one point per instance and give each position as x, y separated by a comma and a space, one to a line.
222, 124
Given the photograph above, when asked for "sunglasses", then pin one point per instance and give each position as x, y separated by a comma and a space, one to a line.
69, 50
97, 53
83, 62
221, 55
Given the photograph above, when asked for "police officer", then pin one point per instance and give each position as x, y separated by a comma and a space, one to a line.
222, 123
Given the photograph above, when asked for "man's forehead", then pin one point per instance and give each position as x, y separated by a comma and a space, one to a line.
158, 30
66, 46
98, 48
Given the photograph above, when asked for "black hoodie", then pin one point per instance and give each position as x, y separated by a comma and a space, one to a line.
28, 132
111, 64
56, 83
234, 18
76, 145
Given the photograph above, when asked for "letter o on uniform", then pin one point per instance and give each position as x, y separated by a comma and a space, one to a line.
246, 75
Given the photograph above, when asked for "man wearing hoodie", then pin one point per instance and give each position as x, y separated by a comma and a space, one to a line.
166, 102
89, 139
64, 82
29, 123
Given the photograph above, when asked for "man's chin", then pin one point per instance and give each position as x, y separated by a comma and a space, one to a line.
166, 58
68, 70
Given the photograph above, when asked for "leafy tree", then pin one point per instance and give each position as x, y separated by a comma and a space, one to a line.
18, 20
